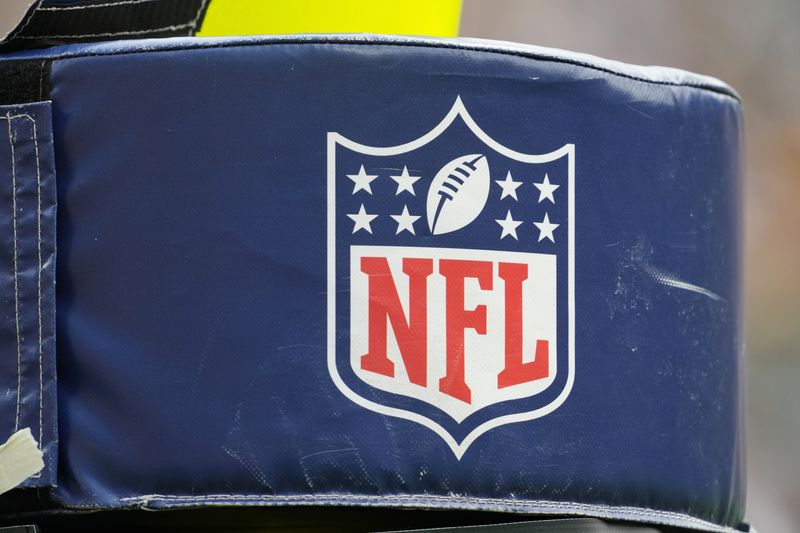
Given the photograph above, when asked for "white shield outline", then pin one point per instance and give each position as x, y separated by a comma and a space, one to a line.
458, 110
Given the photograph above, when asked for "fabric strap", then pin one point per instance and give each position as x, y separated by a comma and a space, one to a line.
51, 22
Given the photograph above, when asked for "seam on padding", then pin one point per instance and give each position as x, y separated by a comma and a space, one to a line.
721, 90
428, 500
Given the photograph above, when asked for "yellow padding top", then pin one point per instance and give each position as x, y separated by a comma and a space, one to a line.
404, 17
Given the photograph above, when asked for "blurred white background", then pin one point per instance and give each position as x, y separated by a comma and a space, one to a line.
755, 47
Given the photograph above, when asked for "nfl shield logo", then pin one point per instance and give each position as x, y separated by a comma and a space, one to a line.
451, 278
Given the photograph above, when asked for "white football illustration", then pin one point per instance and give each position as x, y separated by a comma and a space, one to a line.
458, 193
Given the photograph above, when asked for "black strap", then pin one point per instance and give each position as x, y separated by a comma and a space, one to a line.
19, 529
51, 22
24, 81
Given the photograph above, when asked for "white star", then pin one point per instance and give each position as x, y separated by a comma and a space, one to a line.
405, 182
546, 229
362, 220
509, 186
362, 180
509, 226
405, 221
546, 190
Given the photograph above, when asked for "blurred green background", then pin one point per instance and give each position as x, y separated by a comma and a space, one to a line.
754, 46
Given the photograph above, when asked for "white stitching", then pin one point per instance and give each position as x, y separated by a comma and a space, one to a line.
91, 6
8, 117
41, 80
19, 29
199, 12
138, 32
39, 280
39, 274
191, 24
607, 511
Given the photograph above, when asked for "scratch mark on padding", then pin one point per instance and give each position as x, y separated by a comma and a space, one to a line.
664, 278
327, 452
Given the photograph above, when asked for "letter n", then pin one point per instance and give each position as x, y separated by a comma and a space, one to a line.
385, 308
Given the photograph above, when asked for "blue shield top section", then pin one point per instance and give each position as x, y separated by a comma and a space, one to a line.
197, 200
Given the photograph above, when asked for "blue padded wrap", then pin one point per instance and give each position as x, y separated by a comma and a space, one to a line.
27, 280
193, 277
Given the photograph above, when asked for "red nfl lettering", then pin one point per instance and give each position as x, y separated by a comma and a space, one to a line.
515, 371
457, 319
410, 331
384, 307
